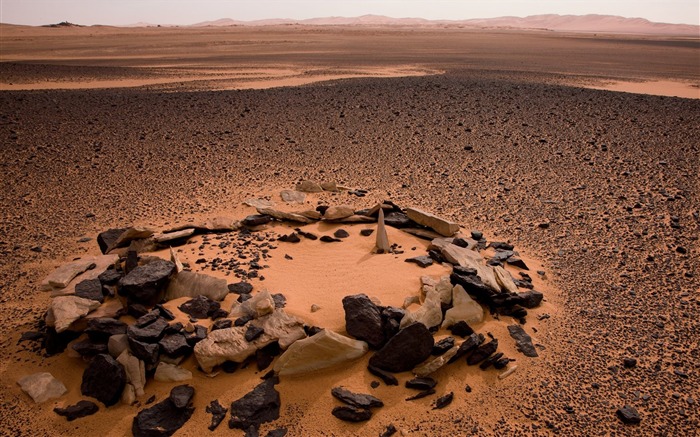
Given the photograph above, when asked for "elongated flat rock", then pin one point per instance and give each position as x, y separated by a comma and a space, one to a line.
284, 216
438, 224
323, 350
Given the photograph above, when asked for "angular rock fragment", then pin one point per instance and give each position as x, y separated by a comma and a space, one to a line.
464, 308
166, 417
628, 415
135, 370
338, 212
90, 289
421, 395
258, 406
192, 284
363, 320
81, 409
385, 376
439, 225
145, 284
482, 352
285, 216
150, 333
444, 345
200, 307
422, 261
218, 413
523, 341
174, 345
461, 329
307, 186
171, 373
356, 399
320, 351
147, 352
64, 310
352, 414
42, 387
443, 401
468, 345
433, 365
101, 329
382, 240
424, 383
429, 313
104, 380
408, 348
173, 236
108, 238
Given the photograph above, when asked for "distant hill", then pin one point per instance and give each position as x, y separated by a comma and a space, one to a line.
552, 22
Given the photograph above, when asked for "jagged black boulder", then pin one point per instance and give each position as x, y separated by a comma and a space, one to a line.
104, 379
363, 320
409, 347
259, 406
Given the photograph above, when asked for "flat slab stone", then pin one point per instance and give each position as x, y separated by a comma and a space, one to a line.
292, 196
438, 224
259, 203
170, 236
192, 284
42, 387
101, 262
523, 341
64, 310
285, 216
323, 350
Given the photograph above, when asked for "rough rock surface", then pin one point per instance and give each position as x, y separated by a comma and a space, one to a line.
104, 380
146, 283
464, 308
408, 348
320, 351
523, 341
81, 409
363, 319
42, 387
164, 418
65, 310
261, 405
192, 284
438, 224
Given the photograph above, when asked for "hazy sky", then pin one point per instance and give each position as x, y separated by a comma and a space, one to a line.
192, 11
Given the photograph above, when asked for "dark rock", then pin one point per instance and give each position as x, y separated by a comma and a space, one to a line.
363, 320
307, 235
174, 328
356, 399
100, 329
389, 431
151, 333
482, 352
253, 332
409, 347
341, 233
110, 276
147, 319
421, 395
523, 342
279, 432
132, 260
164, 312
530, 299
351, 414
244, 297
145, 284
89, 349
136, 310
107, 238
629, 363
218, 412
265, 355
468, 345
174, 345
280, 300
161, 420
461, 329
199, 334
472, 285
229, 366
490, 361
241, 321
90, 289
629, 415
181, 395
81, 409
423, 261
374, 384
443, 401
390, 327
256, 220
425, 383
146, 352
222, 324
240, 288
398, 220
387, 377
477, 235
56, 342
366, 232
200, 307
443, 346
259, 406
31, 336
517, 262
501, 363
501, 245
219, 314
104, 379
312, 330
328, 239
436, 256
291, 238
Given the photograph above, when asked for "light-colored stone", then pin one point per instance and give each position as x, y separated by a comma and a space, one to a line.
338, 212
329, 186
117, 344
170, 236
443, 287
410, 300
63, 275
466, 258
429, 314
433, 365
312, 214
504, 280
259, 203
382, 243
128, 395
308, 187
438, 224
220, 224
42, 386
112, 308
285, 216
230, 344
463, 308
135, 371
323, 350
175, 260
64, 310
291, 196
192, 284
171, 373
130, 234
101, 262
249, 308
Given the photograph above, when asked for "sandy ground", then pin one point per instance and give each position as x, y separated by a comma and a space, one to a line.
501, 141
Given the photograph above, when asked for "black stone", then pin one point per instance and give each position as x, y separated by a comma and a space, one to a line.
443, 401
104, 379
132, 260
199, 334
174, 345
265, 355
100, 329
629, 415
280, 300
363, 320
146, 283
501, 245
409, 347
351, 414
147, 319
260, 405
291, 238
387, 377
253, 332
366, 232
229, 366
461, 242
501, 363
398, 220
473, 285
181, 395
341, 233
146, 352
161, 420
490, 361
530, 299
151, 333
422, 394
629, 363
81, 409
389, 431
217, 411
136, 310
222, 324
110, 276
356, 399
256, 220
423, 261
56, 342
477, 235
88, 348
523, 342
442, 346
425, 383
165, 313
90, 289
241, 321
329, 239
307, 235
107, 238
174, 328
517, 262
461, 329
240, 288
200, 307
436, 256
482, 352
468, 345
219, 314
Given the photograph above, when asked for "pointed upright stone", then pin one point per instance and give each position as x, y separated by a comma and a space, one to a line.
382, 245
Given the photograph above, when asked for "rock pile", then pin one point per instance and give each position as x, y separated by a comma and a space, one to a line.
91, 296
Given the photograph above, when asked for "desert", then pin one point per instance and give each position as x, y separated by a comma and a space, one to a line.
581, 150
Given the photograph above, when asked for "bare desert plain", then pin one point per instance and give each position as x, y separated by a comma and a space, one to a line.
581, 150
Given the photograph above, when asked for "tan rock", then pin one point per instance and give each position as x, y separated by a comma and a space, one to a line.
192, 284
355, 218
429, 313
259, 203
308, 187
285, 216
443, 287
42, 387
128, 395
64, 310
329, 186
323, 350
171, 373
135, 371
463, 308
101, 262
466, 258
112, 308
338, 212
170, 236
63, 275
250, 307
433, 365
439, 225
291, 196
175, 260
312, 214
504, 280
382, 244
130, 234
117, 344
